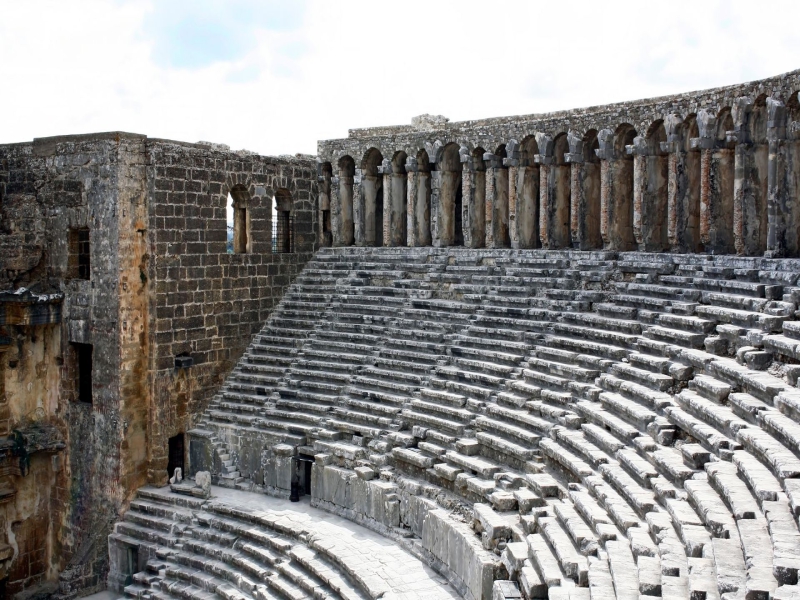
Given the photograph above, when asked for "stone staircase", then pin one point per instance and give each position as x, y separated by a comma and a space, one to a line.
194, 548
613, 425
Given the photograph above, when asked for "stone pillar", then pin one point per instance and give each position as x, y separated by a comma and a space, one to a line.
493, 163
778, 202
639, 152
386, 171
605, 153
336, 213
467, 199
324, 205
545, 165
675, 192
513, 232
412, 228
742, 194
436, 189
358, 210
577, 203
705, 144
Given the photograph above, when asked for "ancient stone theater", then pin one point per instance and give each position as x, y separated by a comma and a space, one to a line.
546, 356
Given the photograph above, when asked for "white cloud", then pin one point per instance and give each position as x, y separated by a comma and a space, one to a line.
88, 65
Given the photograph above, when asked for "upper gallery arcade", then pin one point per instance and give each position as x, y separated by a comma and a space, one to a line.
716, 171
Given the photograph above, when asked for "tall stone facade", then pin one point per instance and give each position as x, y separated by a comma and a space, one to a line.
713, 171
116, 265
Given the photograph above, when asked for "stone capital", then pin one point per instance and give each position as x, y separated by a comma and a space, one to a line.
573, 158
541, 159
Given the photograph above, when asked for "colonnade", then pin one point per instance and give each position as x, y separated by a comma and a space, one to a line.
720, 182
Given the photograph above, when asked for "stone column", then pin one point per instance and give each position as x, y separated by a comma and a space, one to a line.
676, 179
577, 204
705, 144
605, 153
777, 202
336, 213
436, 189
467, 198
359, 210
639, 152
545, 165
386, 171
742, 194
493, 163
412, 234
513, 231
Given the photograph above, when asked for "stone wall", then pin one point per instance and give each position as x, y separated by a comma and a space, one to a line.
159, 283
207, 303
711, 171
52, 186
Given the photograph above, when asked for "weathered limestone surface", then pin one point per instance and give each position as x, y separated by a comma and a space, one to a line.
159, 284
613, 415
568, 422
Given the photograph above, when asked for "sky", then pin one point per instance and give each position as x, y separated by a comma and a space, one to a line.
276, 76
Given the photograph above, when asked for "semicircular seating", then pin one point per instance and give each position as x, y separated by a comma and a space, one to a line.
609, 425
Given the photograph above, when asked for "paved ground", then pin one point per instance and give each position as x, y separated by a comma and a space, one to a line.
367, 553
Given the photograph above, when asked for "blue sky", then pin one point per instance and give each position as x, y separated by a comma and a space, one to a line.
274, 77
191, 34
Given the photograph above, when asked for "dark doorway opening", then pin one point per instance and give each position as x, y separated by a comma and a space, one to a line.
176, 455
83, 359
305, 463
458, 217
132, 566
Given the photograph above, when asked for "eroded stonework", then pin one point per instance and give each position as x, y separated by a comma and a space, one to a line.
547, 356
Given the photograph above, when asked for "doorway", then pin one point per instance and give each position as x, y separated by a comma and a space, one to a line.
176, 455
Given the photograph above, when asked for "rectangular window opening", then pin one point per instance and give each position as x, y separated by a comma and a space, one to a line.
283, 232
83, 360
239, 230
79, 261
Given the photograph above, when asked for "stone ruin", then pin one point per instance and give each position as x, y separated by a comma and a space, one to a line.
548, 356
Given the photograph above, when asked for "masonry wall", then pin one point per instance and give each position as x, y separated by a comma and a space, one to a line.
51, 186
208, 303
162, 284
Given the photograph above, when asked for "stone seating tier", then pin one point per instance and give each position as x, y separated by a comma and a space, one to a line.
611, 425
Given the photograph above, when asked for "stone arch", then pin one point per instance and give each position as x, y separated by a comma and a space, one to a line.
620, 218
559, 192
422, 201
528, 194
448, 226
346, 224
372, 198
477, 209
655, 188
754, 208
398, 192
589, 181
